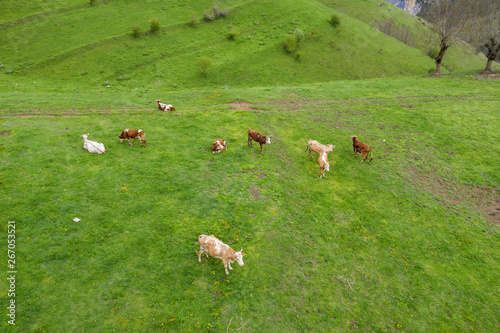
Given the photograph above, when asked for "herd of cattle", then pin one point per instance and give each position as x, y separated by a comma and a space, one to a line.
211, 245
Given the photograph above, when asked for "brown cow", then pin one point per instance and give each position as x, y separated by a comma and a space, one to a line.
256, 136
129, 134
218, 145
360, 147
165, 107
214, 247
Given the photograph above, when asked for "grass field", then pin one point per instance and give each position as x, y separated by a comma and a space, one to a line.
406, 243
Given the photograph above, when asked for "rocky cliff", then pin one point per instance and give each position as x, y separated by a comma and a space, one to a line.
411, 6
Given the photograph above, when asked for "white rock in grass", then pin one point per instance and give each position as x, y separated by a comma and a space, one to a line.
76, 219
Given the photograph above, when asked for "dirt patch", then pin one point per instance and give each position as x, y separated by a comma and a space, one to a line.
489, 76
242, 106
255, 193
5, 133
486, 200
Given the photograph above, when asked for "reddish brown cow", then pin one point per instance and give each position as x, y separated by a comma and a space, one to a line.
360, 147
256, 136
129, 134
323, 164
218, 145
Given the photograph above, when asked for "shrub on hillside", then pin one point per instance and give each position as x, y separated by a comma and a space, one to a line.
232, 34
290, 44
92, 2
194, 19
204, 63
136, 31
299, 55
154, 25
335, 20
208, 16
214, 13
299, 34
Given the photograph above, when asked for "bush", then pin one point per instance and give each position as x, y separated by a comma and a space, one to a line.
290, 43
194, 19
299, 55
92, 2
231, 35
214, 13
155, 25
299, 34
204, 63
335, 20
136, 31
208, 16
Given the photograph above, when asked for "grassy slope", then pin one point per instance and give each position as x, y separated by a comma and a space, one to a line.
458, 58
375, 243
64, 47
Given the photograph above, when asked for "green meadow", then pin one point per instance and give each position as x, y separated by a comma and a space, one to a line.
406, 243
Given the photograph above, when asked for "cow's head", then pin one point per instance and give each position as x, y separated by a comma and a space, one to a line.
158, 101
327, 166
85, 136
329, 148
268, 139
354, 138
239, 257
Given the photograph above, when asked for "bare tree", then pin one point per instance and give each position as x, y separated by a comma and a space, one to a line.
449, 20
489, 30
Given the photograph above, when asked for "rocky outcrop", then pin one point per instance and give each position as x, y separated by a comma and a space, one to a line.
411, 6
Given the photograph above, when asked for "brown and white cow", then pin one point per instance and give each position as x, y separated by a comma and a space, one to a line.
165, 107
129, 134
323, 164
218, 145
360, 147
256, 136
314, 145
211, 245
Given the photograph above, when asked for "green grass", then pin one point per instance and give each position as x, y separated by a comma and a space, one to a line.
399, 244
407, 243
91, 47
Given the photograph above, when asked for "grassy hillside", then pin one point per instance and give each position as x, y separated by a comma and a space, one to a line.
92, 46
405, 243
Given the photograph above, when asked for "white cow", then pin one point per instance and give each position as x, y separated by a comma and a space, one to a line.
92, 146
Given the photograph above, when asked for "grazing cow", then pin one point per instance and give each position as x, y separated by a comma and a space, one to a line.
129, 134
165, 107
214, 247
314, 145
256, 136
92, 146
360, 147
323, 164
218, 145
